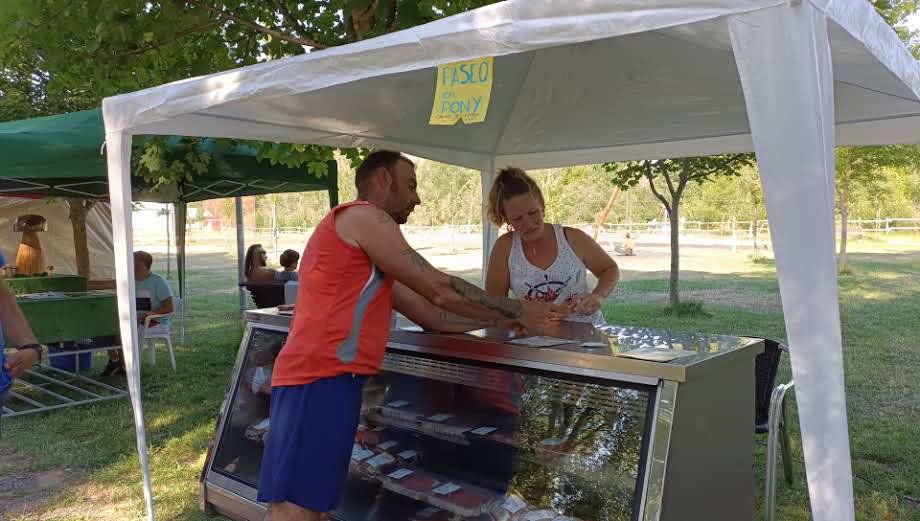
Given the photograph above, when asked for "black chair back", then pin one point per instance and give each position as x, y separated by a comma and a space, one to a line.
766, 367
266, 295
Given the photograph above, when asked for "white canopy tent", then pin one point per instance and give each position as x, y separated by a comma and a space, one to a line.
588, 81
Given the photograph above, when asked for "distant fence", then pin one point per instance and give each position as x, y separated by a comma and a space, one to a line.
465, 237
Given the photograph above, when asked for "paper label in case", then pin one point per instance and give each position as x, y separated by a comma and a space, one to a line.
380, 460
513, 504
483, 431
360, 453
540, 515
439, 417
387, 445
446, 489
401, 473
408, 454
398, 403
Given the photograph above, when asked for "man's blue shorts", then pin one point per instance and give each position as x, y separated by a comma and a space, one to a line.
313, 429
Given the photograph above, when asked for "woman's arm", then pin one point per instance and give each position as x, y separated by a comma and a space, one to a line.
598, 263
498, 279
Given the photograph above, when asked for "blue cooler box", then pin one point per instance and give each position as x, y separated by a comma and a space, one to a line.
69, 363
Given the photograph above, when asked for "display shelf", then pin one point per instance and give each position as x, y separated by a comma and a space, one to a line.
553, 434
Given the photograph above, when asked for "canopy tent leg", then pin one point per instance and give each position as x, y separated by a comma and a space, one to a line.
240, 252
784, 61
181, 211
333, 188
118, 158
489, 230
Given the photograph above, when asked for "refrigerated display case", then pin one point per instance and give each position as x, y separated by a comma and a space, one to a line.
480, 427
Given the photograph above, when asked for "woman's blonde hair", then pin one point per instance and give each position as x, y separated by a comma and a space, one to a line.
510, 182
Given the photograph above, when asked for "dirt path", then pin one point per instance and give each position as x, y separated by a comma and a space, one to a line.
24, 492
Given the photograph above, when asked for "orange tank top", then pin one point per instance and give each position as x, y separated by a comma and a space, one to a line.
341, 320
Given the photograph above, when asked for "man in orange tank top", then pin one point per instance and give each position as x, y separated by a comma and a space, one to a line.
356, 268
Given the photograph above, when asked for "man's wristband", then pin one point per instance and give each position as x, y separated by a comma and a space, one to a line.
35, 347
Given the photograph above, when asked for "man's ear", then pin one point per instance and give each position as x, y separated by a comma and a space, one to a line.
384, 179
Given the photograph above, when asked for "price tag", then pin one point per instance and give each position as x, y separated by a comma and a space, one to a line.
398, 403
484, 431
513, 504
540, 515
359, 453
401, 473
380, 460
408, 454
439, 417
446, 489
387, 445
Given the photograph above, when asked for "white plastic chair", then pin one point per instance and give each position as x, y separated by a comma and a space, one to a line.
150, 334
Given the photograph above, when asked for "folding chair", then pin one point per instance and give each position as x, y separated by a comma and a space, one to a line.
770, 418
150, 334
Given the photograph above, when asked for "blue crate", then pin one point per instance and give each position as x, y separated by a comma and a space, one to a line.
69, 363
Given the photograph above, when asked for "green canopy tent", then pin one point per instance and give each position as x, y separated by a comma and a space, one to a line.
64, 156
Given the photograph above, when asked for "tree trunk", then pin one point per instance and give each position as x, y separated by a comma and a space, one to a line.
844, 213
606, 212
674, 287
756, 230
79, 209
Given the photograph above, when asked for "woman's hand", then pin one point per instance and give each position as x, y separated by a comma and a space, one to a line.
587, 304
560, 312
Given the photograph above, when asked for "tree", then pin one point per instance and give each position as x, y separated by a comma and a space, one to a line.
64, 55
676, 174
865, 166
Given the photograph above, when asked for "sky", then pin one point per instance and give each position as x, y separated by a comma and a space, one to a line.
913, 22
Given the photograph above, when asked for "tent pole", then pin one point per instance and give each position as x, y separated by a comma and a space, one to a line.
489, 230
168, 243
240, 251
784, 61
181, 210
118, 159
333, 187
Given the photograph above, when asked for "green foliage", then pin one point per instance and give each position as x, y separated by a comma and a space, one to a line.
64, 55
676, 173
160, 162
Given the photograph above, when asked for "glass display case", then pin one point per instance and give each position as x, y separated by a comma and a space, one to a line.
449, 431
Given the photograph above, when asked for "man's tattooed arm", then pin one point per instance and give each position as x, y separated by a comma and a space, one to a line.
452, 319
418, 262
509, 308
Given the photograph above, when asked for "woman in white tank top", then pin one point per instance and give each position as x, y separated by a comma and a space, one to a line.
541, 261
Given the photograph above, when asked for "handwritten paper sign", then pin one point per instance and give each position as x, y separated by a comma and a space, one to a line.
463, 92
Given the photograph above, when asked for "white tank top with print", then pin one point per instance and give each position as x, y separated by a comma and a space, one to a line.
529, 282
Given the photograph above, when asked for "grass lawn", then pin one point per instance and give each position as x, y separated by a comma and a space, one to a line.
81, 464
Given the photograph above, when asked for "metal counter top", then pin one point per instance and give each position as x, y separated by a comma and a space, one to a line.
603, 362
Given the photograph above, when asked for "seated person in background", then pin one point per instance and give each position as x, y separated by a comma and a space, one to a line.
289, 260
629, 244
628, 247
256, 269
154, 297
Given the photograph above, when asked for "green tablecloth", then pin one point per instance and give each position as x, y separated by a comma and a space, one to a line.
23, 285
71, 317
